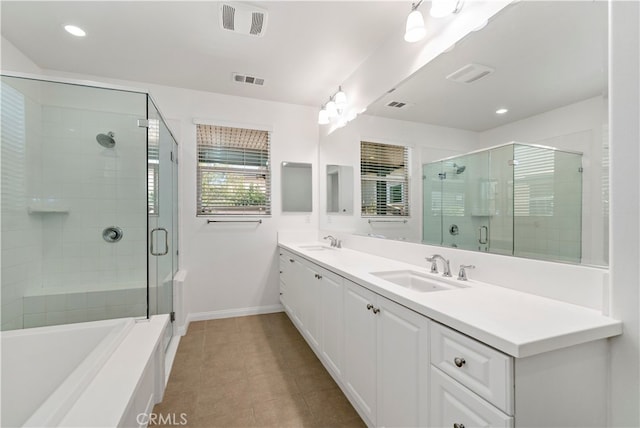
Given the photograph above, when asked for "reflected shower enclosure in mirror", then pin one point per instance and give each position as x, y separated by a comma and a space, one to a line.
296, 187
515, 80
514, 199
339, 189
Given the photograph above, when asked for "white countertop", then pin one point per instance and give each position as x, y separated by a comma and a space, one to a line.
516, 323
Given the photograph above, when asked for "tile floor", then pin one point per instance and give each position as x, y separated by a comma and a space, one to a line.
254, 371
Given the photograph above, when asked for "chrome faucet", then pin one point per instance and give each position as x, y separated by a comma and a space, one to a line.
434, 264
334, 242
462, 273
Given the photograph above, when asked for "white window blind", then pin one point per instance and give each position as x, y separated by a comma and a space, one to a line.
13, 126
153, 163
384, 179
234, 176
533, 188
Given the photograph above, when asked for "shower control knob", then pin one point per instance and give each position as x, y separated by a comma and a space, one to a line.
112, 234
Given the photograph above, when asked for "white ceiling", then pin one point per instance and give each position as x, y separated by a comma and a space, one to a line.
308, 49
546, 54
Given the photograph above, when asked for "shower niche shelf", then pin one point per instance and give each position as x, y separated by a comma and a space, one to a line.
42, 206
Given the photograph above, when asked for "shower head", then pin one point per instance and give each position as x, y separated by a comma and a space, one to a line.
459, 168
106, 140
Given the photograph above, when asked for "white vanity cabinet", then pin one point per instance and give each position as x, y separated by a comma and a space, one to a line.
312, 296
291, 286
475, 385
386, 359
401, 368
471, 383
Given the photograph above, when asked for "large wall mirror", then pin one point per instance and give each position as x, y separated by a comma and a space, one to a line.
534, 76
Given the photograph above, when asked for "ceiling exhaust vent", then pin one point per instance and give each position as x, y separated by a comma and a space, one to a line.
396, 104
251, 80
243, 19
470, 73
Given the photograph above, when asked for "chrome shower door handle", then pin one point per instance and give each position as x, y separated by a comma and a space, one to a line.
166, 242
482, 240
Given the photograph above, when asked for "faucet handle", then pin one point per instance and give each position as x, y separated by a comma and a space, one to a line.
333, 240
434, 264
462, 273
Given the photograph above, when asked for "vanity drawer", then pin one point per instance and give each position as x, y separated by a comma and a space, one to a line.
482, 369
453, 405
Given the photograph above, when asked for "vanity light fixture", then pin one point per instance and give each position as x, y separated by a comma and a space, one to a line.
340, 99
74, 30
415, 29
332, 109
502, 111
323, 116
335, 110
444, 8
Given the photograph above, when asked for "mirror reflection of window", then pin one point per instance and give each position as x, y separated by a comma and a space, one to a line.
384, 174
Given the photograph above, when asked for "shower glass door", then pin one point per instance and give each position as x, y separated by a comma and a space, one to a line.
73, 203
465, 202
162, 192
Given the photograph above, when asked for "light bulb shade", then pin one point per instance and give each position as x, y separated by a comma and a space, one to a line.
341, 100
332, 109
323, 117
442, 8
415, 27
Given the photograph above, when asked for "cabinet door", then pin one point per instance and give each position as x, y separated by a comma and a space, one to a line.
310, 303
332, 321
453, 405
294, 287
360, 348
403, 365
285, 274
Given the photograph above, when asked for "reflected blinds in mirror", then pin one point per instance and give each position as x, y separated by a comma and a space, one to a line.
384, 179
533, 186
234, 176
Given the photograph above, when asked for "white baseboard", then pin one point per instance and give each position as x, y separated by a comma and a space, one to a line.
229, 313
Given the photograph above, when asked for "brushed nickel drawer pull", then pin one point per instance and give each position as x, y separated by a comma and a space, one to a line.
459, 362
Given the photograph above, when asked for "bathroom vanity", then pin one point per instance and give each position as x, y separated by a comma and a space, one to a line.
411, 348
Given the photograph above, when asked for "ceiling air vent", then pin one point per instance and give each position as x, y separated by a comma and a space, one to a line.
243, 19
396, 104
470, 73
251, 80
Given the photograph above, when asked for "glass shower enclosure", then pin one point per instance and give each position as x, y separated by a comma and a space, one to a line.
514, 199
89, 212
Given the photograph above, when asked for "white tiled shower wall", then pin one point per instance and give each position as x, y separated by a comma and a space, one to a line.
70, 307
21, 233
50, 252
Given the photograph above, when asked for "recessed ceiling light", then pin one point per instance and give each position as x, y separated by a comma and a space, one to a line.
76, 31
501, 111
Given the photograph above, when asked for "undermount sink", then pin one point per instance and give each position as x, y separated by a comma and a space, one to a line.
315, 247
415, 281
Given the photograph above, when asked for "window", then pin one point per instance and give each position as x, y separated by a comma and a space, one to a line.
384, 174
234, 176
153, 163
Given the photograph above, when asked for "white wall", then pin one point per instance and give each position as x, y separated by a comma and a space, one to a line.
624, 90
232, 268
13, 59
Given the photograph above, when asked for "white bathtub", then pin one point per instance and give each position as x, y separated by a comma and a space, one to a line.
93, 374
